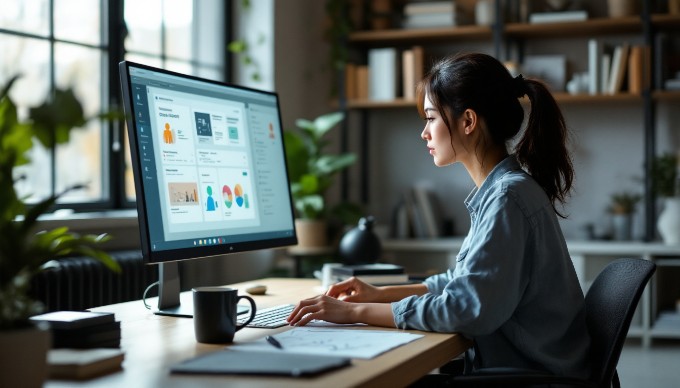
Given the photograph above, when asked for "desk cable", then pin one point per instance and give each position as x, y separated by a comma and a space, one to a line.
148, 306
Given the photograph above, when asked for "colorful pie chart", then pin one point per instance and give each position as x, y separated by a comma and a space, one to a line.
228, 197
238, 191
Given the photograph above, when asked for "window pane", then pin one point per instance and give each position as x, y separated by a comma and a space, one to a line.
210, 73
30, 16
180, 67
30, 59
144, 60
143, 20
81, 160
178, 15
77, 21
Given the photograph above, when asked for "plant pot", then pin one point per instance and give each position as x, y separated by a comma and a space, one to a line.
668, 223
621, 8
623, 226
23, 356
311, 233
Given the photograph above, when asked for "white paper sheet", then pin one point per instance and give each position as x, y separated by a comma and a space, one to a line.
333, 341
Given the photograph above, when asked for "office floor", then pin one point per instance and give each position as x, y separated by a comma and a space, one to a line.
658, 366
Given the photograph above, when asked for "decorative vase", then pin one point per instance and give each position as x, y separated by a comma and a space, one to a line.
23, 356
360, 245
621, 8
623, 226
668, 223
311, 233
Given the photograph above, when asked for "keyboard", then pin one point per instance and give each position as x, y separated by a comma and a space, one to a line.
270, 317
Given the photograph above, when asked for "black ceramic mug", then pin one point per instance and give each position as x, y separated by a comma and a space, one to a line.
215, 313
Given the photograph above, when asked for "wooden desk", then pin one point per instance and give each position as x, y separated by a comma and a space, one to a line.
153, 343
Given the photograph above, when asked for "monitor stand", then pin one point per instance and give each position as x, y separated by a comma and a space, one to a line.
169, 294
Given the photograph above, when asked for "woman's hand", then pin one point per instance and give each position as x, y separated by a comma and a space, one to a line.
354, 290
324, 308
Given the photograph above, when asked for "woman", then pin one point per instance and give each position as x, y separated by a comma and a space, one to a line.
513, 290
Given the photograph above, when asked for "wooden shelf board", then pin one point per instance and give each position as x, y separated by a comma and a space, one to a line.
560, 97
420, 35
597, 26
666, 95
369, 104
666, 21
631, 24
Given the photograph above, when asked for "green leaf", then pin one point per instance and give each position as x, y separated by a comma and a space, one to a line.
237, 46
54, 119
332, 163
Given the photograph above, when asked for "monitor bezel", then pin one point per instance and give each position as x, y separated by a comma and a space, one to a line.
193, 252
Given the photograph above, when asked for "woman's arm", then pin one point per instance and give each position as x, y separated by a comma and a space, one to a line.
354, 301
329, 309
354, 290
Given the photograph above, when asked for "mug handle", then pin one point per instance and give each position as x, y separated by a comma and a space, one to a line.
253, 311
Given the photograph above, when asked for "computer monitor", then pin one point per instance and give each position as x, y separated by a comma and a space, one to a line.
209, 168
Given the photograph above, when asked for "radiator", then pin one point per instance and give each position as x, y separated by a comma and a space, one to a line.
79, 283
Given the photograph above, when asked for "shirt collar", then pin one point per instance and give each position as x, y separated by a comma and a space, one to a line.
506, 165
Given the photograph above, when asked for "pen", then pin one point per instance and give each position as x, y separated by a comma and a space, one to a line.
273, 341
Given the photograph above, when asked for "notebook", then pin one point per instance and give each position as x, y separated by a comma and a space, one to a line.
244, 362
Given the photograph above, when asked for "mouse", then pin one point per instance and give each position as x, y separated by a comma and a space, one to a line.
256, 289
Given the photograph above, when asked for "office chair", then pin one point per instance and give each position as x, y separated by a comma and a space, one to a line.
610, 305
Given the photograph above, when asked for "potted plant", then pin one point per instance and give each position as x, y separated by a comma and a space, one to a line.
312, 172
666, 185
622, 209
24, 250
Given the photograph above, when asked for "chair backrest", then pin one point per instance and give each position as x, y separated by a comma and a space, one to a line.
610, 305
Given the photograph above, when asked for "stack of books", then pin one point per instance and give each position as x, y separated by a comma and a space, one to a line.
82, 329
430, 14
376, 274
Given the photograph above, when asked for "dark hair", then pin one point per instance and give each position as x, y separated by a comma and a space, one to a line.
481, 83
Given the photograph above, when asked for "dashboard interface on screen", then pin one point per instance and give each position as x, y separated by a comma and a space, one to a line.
209, 164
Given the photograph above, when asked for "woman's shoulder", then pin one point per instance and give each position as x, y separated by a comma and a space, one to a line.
521, 187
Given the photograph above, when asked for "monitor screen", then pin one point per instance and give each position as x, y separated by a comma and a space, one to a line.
209, 165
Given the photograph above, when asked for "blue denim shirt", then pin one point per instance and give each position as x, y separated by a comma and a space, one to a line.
514, 289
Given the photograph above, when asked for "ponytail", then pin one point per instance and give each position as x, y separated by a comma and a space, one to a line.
542, 149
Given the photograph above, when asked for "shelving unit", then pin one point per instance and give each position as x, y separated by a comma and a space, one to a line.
644, 26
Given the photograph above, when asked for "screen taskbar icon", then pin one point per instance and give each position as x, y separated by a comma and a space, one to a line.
209, 241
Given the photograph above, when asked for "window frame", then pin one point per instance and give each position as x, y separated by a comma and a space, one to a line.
112, 48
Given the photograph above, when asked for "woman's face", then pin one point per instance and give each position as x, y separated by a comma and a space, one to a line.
438, 138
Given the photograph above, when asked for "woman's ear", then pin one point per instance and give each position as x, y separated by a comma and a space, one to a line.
469, 121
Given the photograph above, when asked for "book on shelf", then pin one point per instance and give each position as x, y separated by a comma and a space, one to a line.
412, 62
362, 82
429, 7
382, 74
594, 66
83, 363
618, 69
639, 63
430, 20
606, 69
408, 79
558, 17
368, 269
429, 210
73, 319
351, 81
